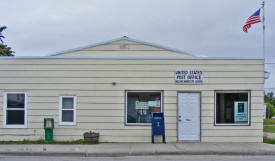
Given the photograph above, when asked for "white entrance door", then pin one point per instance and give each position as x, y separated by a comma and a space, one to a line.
189, 116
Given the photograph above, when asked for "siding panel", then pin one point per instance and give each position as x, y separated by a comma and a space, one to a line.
109, 86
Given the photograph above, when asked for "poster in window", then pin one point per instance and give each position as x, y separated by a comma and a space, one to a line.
142, 105
240, 111
155, 103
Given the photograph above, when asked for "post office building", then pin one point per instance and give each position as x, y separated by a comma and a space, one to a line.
113, 87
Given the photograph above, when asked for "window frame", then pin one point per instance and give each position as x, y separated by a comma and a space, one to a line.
74, 110
248, 108
5, 125
141, 91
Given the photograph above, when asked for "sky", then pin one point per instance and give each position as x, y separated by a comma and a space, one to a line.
211, 28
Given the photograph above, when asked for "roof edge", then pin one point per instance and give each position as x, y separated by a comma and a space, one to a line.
127, 58
120, 39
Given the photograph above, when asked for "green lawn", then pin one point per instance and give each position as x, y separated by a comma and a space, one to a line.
269, 122
80, 141
268, 140
269, 129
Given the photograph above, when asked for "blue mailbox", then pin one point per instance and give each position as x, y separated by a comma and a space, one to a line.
158, 126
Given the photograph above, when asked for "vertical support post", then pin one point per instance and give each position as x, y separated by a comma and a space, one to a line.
268, 114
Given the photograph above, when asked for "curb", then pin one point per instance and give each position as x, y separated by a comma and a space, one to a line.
83, 154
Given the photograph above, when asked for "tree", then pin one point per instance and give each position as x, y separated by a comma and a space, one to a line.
4, 49
268, 98
270, 103
1, 36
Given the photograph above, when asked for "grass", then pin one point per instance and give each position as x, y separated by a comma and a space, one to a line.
41, 141
269, 129
269, 122
269, 141
80, 141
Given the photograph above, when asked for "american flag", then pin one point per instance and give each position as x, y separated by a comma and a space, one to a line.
255, 18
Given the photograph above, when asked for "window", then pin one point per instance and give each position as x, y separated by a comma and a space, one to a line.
15, 110
67, 110
140, 104
232, 107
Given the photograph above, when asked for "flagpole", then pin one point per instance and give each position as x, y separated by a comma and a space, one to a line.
263, 30
264, 36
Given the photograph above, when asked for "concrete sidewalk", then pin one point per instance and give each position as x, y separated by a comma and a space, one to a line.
133, 149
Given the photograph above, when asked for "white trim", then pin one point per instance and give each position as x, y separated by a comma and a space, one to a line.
123, 58
141, 91
248, 108
5, 111
60, 110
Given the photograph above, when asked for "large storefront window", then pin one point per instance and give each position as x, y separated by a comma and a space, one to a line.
140, 104
232, 107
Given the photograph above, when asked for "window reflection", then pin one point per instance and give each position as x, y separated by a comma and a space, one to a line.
141, 104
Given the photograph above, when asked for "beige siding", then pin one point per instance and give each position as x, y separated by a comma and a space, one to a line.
100, 105
133, 50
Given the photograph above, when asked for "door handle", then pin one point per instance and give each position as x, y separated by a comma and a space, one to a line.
180, 120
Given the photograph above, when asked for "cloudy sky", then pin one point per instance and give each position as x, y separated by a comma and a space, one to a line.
210, 28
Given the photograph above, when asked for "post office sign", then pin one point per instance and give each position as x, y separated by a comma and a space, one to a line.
188, 77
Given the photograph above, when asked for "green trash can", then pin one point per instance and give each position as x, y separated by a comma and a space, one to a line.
48, 127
